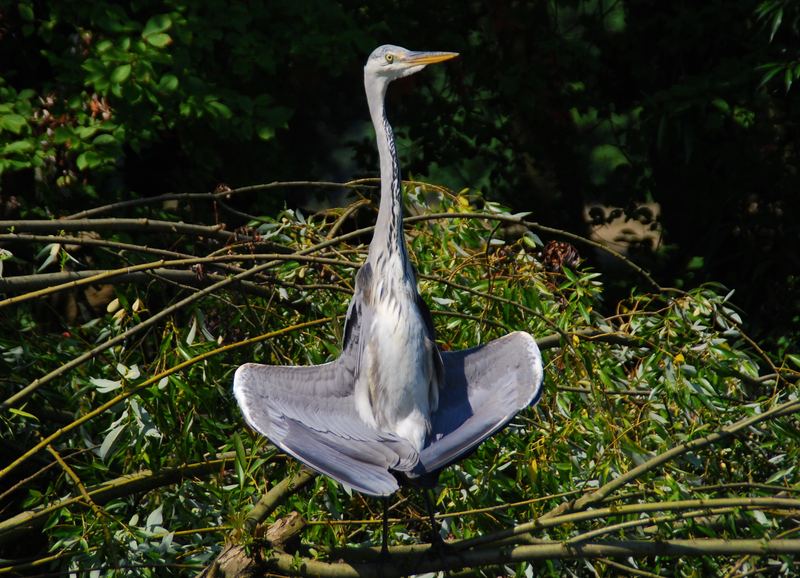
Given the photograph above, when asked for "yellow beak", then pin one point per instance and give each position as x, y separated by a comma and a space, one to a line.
416, 58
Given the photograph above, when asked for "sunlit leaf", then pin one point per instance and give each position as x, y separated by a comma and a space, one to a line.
105, 385
159, 40
121, 73
109, 441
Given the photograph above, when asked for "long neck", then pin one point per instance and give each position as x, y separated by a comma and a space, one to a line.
388, 236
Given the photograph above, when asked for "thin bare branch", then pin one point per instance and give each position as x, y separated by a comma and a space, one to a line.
65, 280
70, 240
73, 279
13, 528
212, 196
114, 224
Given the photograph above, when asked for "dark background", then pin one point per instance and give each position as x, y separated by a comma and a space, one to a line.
551, 106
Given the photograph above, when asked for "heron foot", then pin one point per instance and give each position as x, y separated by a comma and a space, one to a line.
437, 542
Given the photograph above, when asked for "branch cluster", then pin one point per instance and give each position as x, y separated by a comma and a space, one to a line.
643, 408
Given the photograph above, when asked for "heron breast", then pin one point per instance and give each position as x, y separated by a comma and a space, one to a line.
398, 371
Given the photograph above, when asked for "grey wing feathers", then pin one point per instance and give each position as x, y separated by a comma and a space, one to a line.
309, 413
361, 297
484, 388
438, 365
359, 315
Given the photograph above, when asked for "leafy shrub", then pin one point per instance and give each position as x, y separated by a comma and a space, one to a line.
664, 430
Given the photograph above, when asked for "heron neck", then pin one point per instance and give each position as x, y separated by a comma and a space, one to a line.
388, 235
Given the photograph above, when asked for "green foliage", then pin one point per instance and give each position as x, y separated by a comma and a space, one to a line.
775, 16
552, 105
128, 80
170, 469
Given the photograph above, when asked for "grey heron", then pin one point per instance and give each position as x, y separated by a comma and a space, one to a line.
392, 405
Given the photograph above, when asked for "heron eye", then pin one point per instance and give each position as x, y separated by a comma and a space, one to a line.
390, 58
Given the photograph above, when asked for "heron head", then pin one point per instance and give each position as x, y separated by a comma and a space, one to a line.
391, 62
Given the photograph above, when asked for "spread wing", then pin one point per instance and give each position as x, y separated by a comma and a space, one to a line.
484, 389
309, 413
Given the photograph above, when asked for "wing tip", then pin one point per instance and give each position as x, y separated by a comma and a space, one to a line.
379, 482
247, 392
536, 365
242, 382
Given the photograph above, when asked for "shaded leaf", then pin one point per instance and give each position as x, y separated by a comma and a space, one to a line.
13, 123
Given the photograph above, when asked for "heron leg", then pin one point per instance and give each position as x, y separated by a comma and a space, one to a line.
385, 538
436, 537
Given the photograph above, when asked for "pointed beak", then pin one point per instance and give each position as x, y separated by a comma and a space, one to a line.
424, 58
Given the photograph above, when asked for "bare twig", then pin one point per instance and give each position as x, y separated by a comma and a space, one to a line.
12, 528
55, 282
344, 216
113, 224
70, 240
73, 279
212, 196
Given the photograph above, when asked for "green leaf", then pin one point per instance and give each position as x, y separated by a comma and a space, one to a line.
604, 160
88, 160
104, 140
121, 73
22, 413
84, 132
219, 109
13, 123
695, 263
104, 46
110, 440
25, 11
105, 385
721, 105
81, 162
266, 132
241, 459
168, 83
14, 165
155, 519
776, 23
779, 475
772, 69
156, 25
20, 146
159, 39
